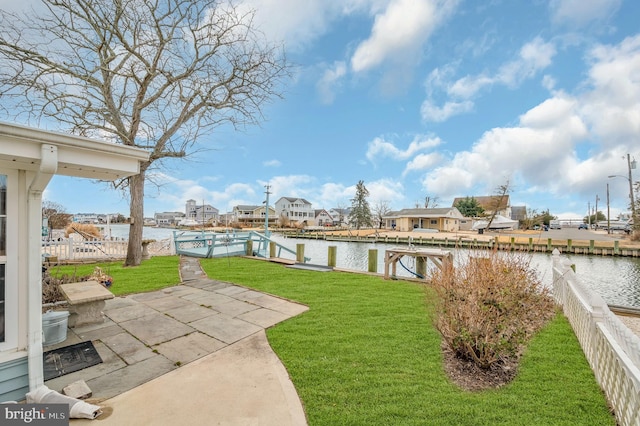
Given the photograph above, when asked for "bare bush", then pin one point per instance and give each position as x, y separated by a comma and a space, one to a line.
489, 306
87, 230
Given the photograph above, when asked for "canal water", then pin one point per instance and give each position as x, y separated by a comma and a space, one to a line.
616, 279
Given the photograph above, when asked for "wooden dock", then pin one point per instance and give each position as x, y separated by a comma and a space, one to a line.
441, 258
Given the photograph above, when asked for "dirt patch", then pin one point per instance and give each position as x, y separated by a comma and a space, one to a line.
468, 376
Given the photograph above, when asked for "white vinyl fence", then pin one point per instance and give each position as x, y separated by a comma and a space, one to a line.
74, 249
613, 351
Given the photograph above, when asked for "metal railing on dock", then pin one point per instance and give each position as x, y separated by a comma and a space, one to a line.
216, 244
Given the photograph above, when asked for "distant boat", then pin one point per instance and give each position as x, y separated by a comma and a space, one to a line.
499, 222
188, 222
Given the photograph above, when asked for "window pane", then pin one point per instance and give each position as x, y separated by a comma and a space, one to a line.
3, 195
3, 215
2, 296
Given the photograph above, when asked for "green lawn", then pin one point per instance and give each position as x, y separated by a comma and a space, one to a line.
367, 353
152, 274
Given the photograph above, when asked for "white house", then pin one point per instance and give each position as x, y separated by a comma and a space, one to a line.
201, 213
295, 210
164, 219
29, 158
340, 216
323, 218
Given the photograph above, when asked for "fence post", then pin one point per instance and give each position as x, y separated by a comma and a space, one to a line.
373, 260
249, 251
331, 256
300, 253
549, 245
591, 246
616, 247
272, 249
569, 245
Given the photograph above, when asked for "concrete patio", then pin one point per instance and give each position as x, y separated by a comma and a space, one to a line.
196, 349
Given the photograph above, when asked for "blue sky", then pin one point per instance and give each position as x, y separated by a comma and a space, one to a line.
424, 98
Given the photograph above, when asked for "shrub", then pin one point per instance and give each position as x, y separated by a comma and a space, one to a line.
489, 306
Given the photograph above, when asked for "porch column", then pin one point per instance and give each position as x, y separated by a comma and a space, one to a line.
48, 167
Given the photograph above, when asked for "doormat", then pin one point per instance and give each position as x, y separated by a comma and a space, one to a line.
61, 361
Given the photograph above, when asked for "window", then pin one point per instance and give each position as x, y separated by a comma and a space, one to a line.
3, 252
433, 221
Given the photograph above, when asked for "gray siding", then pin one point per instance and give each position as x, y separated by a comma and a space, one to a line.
14, 380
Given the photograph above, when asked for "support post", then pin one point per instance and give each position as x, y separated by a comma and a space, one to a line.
421, 266
300, 253
272, 249
331, 256
373, 260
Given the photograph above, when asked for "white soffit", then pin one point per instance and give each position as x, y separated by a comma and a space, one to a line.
20, 148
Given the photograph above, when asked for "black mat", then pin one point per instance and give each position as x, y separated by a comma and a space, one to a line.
61, 361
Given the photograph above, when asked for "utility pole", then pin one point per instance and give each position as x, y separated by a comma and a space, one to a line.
589, 213
632, 165
266, 212
595, 218
608, 212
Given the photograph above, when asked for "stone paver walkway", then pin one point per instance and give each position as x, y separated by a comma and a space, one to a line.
147, 335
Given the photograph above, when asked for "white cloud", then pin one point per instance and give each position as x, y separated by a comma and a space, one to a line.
296, 23
382, 148
422, 162
272, 163
385, 190
533, 57
330, 81
539, 150
291, 186
543, 151
613, 104
579, 13
434, 113
400, 31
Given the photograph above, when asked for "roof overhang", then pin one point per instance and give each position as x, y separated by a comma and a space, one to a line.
21, 148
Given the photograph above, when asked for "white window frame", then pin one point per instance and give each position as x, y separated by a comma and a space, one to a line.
11, 265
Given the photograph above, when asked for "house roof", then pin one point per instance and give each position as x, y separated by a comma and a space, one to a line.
292, 199
22, 148
486, 202
421, 212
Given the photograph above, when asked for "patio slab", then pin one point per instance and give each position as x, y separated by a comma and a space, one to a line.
190, 347
155, 329
226, 328
130, 349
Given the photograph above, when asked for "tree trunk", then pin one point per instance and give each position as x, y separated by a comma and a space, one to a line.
136, 208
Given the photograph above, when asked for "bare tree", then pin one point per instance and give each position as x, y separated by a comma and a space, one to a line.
498, 201
148, 74
380, 210
56, 215
431, 202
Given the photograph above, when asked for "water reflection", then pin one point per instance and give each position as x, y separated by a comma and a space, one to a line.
616, 279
